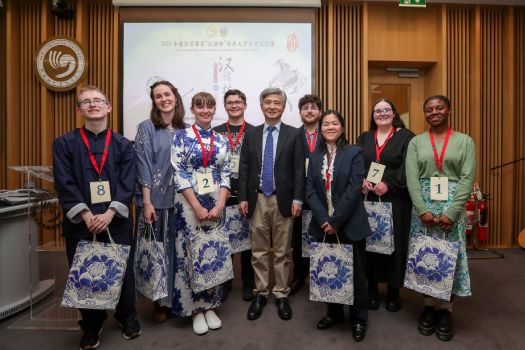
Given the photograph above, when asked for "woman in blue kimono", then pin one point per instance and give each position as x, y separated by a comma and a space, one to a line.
155, 190
201, 159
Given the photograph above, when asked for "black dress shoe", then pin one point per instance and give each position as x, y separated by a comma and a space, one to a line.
284, 310
444, 326
327, 322
255, 309
247, 291
393, 304
296, 285
359, 331
427, 321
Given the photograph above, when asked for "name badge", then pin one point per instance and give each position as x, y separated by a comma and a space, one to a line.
235, 163
375, 173
439, 188
205, 183
100, 192
306, 162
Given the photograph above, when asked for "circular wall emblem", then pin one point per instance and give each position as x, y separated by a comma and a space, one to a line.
60, 63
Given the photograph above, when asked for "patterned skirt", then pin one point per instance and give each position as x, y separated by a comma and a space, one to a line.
461, 284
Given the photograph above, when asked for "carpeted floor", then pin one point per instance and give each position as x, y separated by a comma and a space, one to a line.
493, 318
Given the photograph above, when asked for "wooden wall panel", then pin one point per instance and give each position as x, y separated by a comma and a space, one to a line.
491, 116
101, 44
458, 66
3, 101
340, 60
519, 169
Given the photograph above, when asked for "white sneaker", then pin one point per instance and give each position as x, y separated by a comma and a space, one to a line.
213, 321
199, 324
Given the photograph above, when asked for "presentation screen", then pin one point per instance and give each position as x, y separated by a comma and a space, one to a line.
215, 57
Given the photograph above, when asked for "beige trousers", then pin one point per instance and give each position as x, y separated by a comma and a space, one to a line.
269, 229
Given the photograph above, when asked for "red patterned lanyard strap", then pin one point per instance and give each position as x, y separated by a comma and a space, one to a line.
205, 158
311, 143
92, 156
239, 135
380, 149
330, 158
439, 161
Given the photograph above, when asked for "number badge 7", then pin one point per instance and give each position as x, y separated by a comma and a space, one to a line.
375, 173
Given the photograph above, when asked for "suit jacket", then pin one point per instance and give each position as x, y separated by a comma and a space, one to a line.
349, 214
288, 168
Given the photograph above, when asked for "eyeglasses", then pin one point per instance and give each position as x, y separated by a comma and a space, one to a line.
96, 101
234, 103
307, 107
382, 111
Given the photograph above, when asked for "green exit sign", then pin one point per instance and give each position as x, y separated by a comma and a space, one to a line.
412, 3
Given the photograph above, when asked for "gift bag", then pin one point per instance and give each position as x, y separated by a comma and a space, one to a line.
331, 273
236, 228
96, 275
382, 227
209, 253
150, 266
305, 233
431, 266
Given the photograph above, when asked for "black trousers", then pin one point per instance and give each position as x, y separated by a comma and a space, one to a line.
301, 266
126, 306
358, 311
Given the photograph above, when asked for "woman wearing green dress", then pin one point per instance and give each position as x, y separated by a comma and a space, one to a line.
447, 159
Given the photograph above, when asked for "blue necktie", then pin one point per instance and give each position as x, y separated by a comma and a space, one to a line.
267, 171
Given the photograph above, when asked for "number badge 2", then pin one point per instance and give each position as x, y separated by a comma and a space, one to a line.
100, 192
205, 183
439, 188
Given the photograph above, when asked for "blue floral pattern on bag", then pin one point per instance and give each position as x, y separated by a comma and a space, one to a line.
331, 273
431, 266
382, 227
306, 238
236, 227
96, 275
151, 278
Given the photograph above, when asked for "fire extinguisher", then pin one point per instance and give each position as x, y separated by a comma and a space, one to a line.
470, 207
483, 217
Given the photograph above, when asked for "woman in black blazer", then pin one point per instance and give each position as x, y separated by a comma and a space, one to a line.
333, 191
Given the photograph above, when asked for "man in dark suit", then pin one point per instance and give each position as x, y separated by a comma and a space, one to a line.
271, 192
310, 109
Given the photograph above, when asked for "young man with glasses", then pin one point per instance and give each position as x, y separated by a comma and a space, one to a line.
310, 109
94, 171
234, 130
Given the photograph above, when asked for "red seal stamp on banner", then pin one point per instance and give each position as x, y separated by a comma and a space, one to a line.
292, 43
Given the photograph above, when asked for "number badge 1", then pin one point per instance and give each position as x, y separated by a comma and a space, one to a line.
439, 188
100, 192
205, 183
375, 174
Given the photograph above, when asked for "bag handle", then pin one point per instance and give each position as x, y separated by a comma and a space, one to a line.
110, 238
336, 236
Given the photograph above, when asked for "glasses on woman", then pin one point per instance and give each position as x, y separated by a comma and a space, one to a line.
96, 101
382, 111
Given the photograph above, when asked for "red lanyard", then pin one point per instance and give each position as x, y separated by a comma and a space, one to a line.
92, 156
238, 138
311, 143
439, 161
330, 158
380, 149
205, 159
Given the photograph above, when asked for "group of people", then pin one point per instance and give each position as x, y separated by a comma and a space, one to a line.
184, 176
